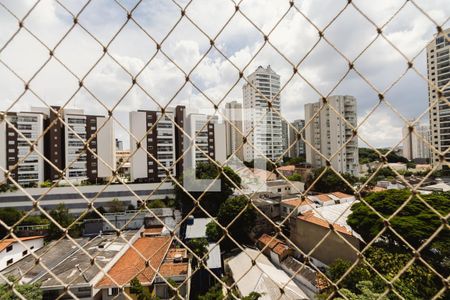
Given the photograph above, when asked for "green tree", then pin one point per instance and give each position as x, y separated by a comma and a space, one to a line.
141, 292
61, 216
417, 282
10, 216
211, 200
213, 231
157, 203
330, 181
252, 296
366, 292
416, 222
242, 226
116, 206
295, 177
214, 293
199, 246
28, 291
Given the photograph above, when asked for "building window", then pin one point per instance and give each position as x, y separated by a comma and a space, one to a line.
24, 252
9, 248
113, 291
9, 262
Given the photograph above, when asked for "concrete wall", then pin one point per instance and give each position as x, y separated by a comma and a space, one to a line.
139, 159
105, 147
307, 235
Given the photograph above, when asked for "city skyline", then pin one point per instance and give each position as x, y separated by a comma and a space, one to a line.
215, 75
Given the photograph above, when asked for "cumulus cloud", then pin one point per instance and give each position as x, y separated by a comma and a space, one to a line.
186, 45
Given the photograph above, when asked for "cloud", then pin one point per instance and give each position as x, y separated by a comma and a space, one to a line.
187, 46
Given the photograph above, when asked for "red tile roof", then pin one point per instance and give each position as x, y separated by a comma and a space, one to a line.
169, 269
132, 264
297, 202
341, 195
311, 218
5, 243
275, 244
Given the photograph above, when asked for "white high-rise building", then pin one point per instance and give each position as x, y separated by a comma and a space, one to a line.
328, 132
234, 130
162, 141
438, 57
209, 136
63, 145
415, 143
262, 125
15, 149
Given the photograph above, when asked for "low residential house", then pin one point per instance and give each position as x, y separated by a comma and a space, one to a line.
71, 265
388, 185
295, 206
308, 230
286, 170
440, 186
270, 207
311, 281
196, 229
254, 272
274, 248
11, 250
133, 220
284, 187
149, 260
331, 198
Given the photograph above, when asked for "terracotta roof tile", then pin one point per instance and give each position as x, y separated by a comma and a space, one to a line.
341, 195
297, 202
169, 269
132, 264
275, 244
324, 197
311, 218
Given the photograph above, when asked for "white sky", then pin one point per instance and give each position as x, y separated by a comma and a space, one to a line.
240, 41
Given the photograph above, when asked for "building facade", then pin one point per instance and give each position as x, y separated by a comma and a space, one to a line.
328, 132
415, 143
234, 129
262, 126
158, 140
298, 150
207, 140
26, 164
60, 137
438, 58
286, 138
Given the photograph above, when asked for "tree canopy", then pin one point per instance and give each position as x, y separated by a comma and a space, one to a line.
244, 223
28, 291
62, 216
415, 222
211, 200
367, 155
330, 181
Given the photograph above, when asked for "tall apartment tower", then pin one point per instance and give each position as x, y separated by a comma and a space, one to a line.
264, 133
26, 166
209, 136
64, 145
60, 145
438, 57
298, 150
328, 132
415, 147
162, 141
285, 134
234, 138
